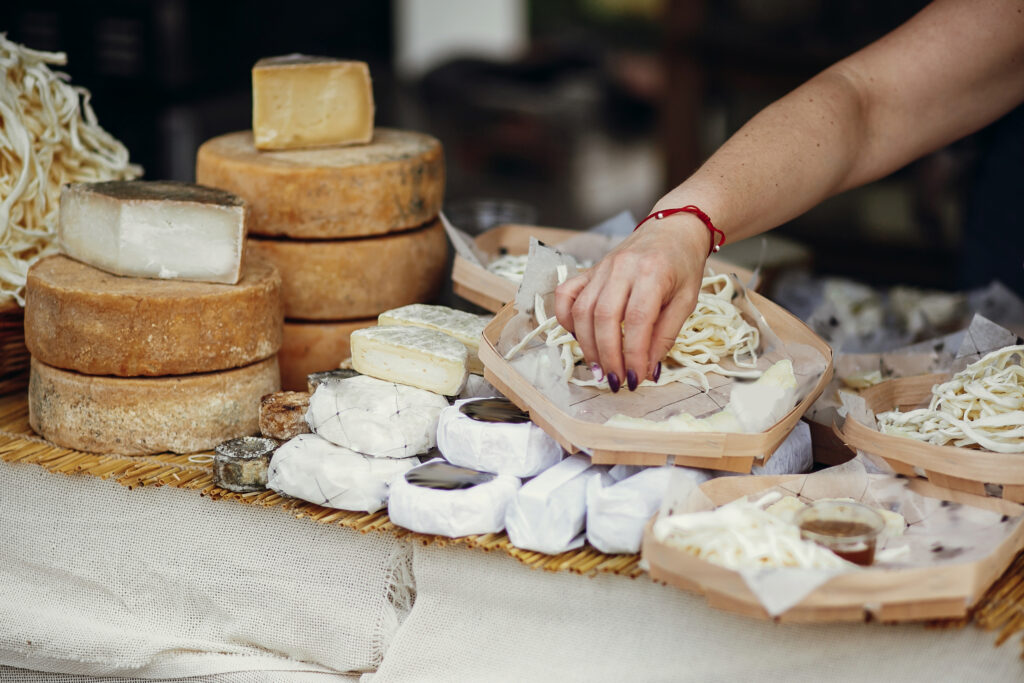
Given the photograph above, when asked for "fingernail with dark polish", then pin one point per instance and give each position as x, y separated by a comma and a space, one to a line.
598, 372
657, 371
613, 382
631, 380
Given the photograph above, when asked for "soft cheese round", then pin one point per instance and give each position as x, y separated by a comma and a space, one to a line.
82, 318
375, 417
393, 183
141, 415
351, 279
310, 347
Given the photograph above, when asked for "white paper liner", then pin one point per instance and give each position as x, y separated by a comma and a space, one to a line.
549, 512
540, 364
462, 512
938, 533
375, 417
314, 469
521, 450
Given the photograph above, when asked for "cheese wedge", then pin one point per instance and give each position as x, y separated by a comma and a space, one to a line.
466, 327
414, 356
155, 229
300, 101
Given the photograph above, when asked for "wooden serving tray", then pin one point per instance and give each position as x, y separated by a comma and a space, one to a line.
962, 469
890, 595
487, 290
616, 445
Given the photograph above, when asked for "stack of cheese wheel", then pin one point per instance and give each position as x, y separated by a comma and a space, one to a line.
135, 365
352, 228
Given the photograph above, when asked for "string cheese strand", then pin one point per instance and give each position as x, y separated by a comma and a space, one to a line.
982, 405
49, 136
713, 332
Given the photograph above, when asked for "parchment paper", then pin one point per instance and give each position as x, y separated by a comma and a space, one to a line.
939, 533
540, 364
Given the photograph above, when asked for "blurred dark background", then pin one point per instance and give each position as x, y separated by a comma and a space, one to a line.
577, 108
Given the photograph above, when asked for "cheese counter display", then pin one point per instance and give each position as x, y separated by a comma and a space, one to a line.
348, 218
272, 338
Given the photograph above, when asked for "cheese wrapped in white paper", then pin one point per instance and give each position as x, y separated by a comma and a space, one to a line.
522, 450
314, 469
549, 512
616, 514
375, 417
452, 513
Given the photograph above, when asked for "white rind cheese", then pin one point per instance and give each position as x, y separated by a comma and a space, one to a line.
160, 229
466, 327
374, 417
522, 450
300, 101
314, 469
416, 356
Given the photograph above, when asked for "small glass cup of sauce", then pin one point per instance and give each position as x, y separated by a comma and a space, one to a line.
850, 530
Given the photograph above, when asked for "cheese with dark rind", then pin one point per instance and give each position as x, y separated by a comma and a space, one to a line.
394, 183
352, 279
81, 318
283, 414
310, 347
301, 101
159, 229
144, 415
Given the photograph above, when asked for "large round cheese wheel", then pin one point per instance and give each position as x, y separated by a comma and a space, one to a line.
314, 347
141, 415
81, 318
394, 183
351, 279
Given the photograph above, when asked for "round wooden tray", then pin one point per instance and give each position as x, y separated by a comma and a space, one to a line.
1000, 475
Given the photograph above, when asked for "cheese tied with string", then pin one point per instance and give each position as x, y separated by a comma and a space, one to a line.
980, 406
715, 331
314, 469
375, 417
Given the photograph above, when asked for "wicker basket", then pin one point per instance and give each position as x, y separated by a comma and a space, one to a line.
13, 354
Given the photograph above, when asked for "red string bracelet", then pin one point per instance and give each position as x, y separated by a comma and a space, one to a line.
716, 234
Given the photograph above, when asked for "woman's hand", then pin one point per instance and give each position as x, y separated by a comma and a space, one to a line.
650, 283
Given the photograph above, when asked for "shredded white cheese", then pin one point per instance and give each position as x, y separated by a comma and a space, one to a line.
982, 405
48, 136
714, 331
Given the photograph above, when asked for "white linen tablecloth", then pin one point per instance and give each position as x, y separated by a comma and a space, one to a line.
160, 583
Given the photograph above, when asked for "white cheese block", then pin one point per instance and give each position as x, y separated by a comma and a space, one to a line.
416, 356
154, 229
374, 417
549, 512
466, 327
312, 468
301, 101
522, 450
616, 514
460, 512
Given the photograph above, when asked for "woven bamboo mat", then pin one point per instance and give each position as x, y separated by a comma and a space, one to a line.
18, 444
1001, 609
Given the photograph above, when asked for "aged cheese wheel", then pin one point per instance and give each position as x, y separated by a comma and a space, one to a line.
140, 415
395, 182
81, 318
314, 347
351, 279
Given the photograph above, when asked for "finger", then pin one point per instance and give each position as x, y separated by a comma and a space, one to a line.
565, 297
667, 327
608, 314
642, 312
583, 320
